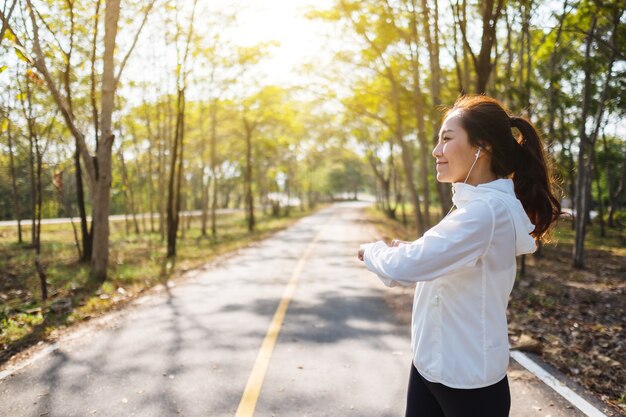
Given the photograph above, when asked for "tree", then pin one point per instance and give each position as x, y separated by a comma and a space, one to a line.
586, 150
176, 164
490, 11
99, 166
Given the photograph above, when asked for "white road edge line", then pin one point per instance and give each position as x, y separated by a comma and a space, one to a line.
10, 371
575, 399
54, 346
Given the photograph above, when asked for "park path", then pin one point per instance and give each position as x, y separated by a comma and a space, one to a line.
188, 349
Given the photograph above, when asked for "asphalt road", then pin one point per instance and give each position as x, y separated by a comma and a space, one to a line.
188, 349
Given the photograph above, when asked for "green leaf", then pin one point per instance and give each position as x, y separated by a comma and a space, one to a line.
9, 35
21, 54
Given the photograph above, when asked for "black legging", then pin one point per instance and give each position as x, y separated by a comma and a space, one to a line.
429, 399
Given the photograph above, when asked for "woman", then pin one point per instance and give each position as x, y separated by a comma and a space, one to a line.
465, 266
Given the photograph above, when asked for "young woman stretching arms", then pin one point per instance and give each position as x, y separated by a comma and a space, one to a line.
465, 265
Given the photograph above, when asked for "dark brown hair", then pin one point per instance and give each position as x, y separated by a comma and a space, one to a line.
489, 125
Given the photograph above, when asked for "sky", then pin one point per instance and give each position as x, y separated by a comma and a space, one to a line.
300, 39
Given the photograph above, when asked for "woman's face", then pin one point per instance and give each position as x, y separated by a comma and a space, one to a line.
453, 152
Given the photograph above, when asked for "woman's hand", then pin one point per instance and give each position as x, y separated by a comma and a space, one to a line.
396, 242
361, 252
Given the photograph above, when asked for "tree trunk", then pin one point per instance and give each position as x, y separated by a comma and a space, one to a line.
248, 176
205, 184
455, 55
614, 194
432, 42
419, 114
164, 139
173, 199
38, 264
586, 153
35, 160
600, 202
176, 171
385, 188
482, 63
407, 153
508, 72
552, 79
150, 190
16, 200
87, 236
137, 203
102, 189
128, 192
33, 186
214, 208
580, 223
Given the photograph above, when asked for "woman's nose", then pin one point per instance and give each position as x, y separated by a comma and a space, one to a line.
437, 151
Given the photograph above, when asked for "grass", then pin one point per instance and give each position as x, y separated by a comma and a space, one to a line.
137, 262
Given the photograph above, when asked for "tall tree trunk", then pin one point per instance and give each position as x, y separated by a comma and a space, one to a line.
176, 171
580, 223
164, 140
461, 88
419, 115
87, 232
432, 42
407, 154
482, 63
38, 264
384, 196
152, 140
249, 199
33, 186
128, 192
102, 186
137, 203
205, 184
27, 111
586, 154
16, 200
35, 162
600, 201
87, 236
614, 192
173, 200
467, 83
213, 162
552, 79
508, 72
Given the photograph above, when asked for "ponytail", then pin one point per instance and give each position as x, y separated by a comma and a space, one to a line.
533, 180
488, 124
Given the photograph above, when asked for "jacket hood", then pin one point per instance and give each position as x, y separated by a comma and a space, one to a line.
503, 191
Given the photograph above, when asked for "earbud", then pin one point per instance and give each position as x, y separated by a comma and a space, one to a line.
478, 151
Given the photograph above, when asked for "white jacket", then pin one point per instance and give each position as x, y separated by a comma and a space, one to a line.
465, 269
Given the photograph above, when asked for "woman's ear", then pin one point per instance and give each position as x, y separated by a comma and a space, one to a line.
484, 147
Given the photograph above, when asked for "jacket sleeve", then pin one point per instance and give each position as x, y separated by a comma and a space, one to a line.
455, 243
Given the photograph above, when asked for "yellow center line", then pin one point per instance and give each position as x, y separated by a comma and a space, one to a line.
255, 381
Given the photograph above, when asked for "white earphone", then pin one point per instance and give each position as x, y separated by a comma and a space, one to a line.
477, 154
